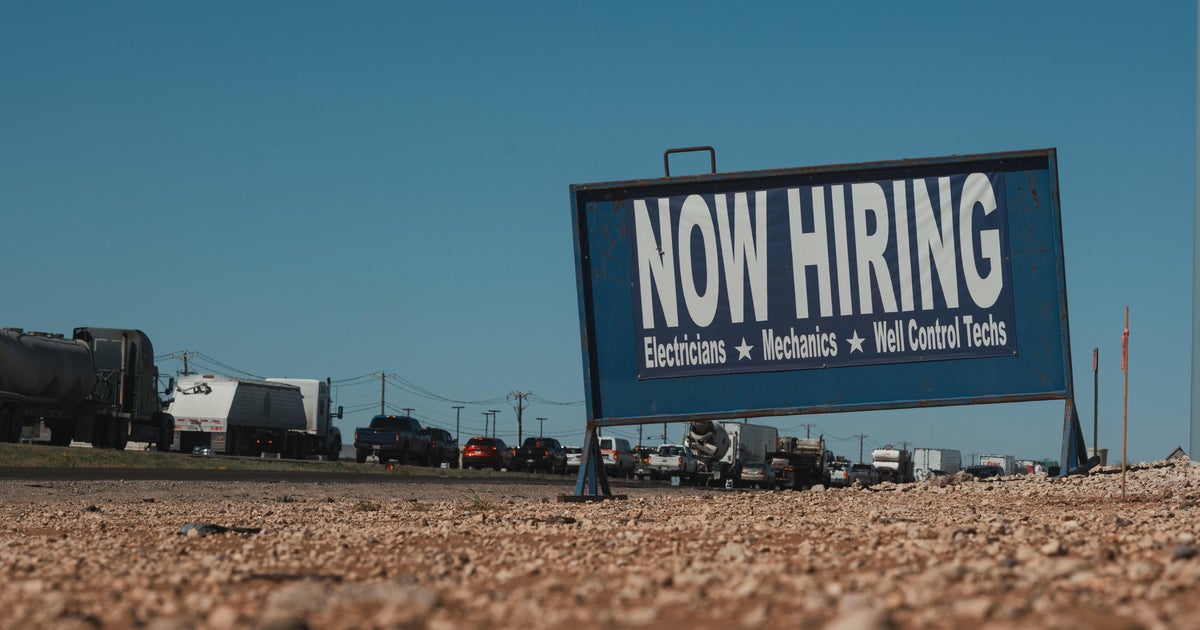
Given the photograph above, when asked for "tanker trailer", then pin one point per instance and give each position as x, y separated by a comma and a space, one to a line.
42, 377
99, 387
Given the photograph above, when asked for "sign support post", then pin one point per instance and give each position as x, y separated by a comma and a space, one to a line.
592, 482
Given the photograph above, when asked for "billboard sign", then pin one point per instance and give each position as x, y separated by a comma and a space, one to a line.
837, 288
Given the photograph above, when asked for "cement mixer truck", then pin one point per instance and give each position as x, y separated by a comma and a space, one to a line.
100, 386
723, 447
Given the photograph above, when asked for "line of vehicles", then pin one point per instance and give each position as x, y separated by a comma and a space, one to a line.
101, 386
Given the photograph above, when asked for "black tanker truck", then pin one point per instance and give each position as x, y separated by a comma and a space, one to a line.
100, 386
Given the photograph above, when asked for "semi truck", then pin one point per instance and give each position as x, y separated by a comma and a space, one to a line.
894, 464
929, 462
722, 447
237, 416
320, 438
99, 386
800, 463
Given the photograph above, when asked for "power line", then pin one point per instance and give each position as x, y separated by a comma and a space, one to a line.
545, 401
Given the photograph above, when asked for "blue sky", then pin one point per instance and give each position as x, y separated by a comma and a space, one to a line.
309, 190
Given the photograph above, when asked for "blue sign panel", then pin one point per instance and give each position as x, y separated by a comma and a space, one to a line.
836, 288
810, 277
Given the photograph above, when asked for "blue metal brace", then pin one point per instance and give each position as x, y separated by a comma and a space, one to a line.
593, 480
1074, 452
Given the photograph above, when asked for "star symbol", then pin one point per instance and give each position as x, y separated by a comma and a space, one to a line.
743, 350
855, 342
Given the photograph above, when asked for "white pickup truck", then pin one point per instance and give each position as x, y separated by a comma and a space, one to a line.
672, 460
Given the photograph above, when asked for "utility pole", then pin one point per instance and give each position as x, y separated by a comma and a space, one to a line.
457, 421
184, 356
541, 427
808, 429
639, 435
861, 437
520, 396
665, 440
486, 415
382, 393
494, 421
407, 410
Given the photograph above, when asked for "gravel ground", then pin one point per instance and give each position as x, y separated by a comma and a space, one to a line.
1021, 552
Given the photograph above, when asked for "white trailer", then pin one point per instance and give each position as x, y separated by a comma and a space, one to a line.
237, 416
1007, 462
927, 460
749, 442
321, 438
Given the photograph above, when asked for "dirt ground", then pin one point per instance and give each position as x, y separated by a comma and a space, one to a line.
1020, 552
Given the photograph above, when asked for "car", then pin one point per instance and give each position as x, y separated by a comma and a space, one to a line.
985, 472
618, 456
864, 474
486, 452
757, 475
574, 458
443, 447
541, 454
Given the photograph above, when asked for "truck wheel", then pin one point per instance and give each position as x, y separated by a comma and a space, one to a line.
61, 433
360, 455
118, 436
166, 431
10, 426
100, 432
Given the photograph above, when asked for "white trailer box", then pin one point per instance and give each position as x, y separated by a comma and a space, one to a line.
233, 411
927, 460
1007, 462
316, 403
749, 442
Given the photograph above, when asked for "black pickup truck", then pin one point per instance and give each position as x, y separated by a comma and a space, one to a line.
392, 437
539, 453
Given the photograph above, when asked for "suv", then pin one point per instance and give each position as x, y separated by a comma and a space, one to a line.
541, 453
839, 474
481, 452
442, 447
618, 456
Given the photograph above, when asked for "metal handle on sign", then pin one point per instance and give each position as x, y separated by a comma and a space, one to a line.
711, 152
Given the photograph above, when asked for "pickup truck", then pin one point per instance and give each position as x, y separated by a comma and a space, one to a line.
392, 437
671, 460
540, 453
864, 474
443, 447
